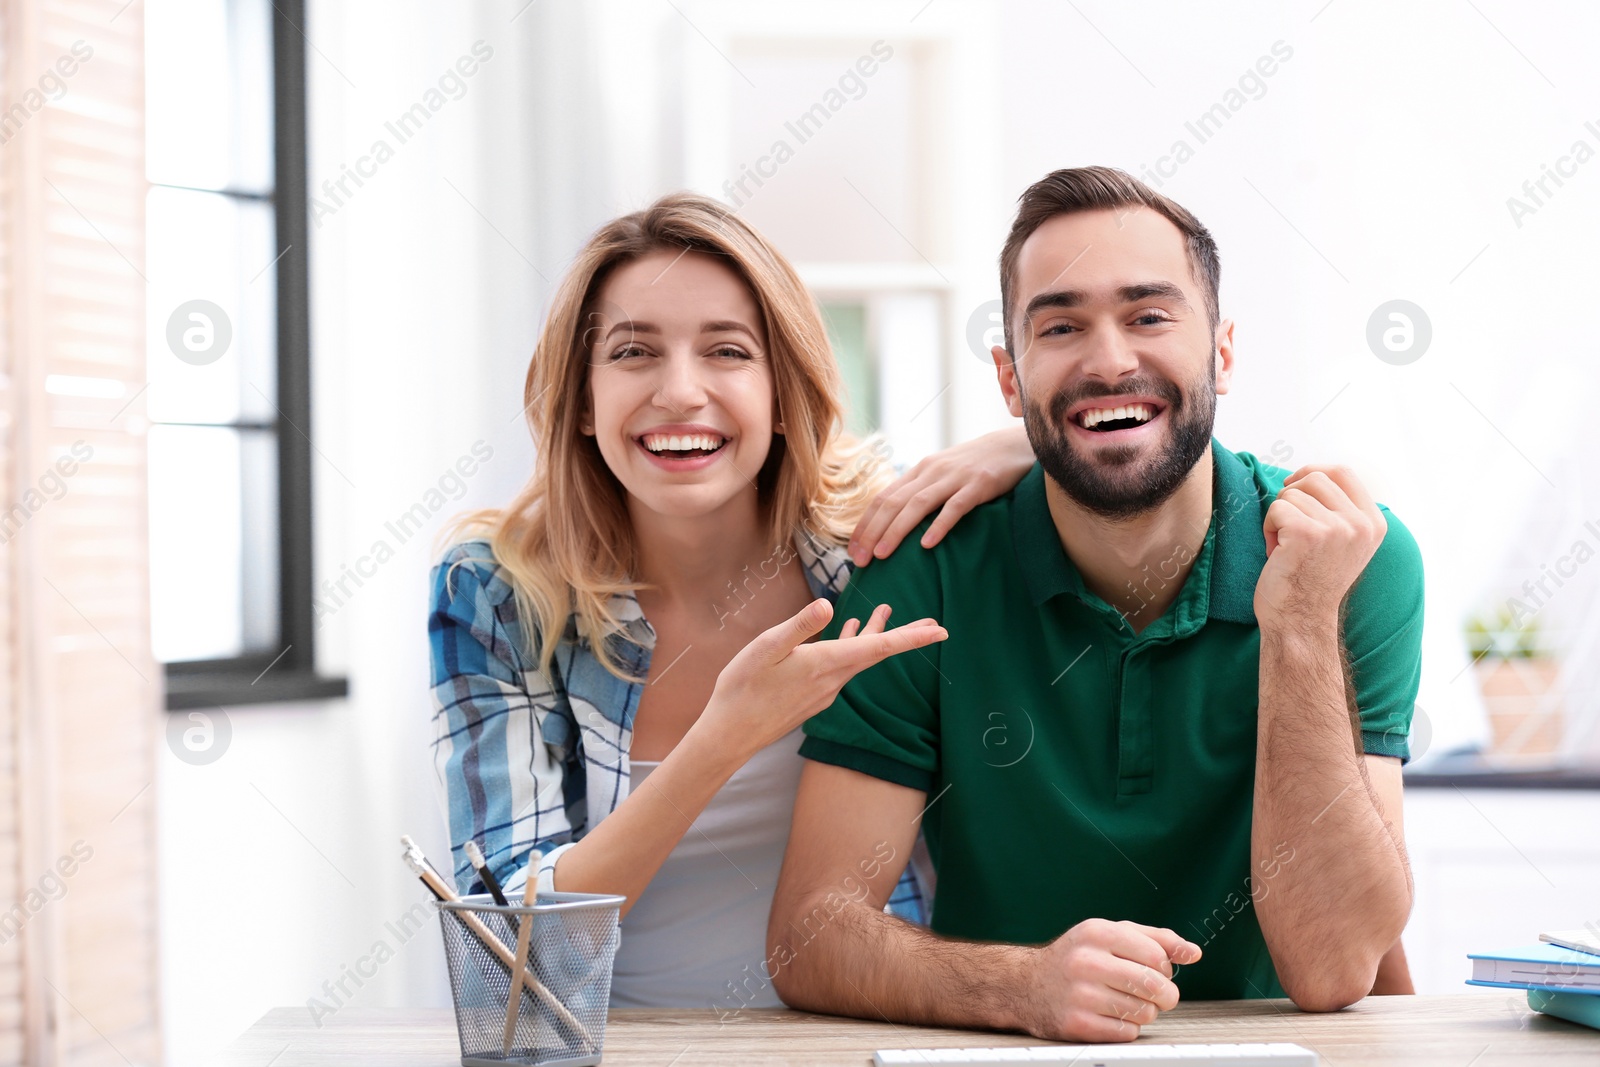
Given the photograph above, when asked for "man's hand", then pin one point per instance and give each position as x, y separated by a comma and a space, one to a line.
1102, 980
1321, 532
842, 955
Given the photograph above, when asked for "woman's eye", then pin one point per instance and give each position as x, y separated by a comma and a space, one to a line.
627, 352
731, 353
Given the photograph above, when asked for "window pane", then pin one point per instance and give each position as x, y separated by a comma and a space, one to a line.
907, 342
847, 331
213, 542
208, 93
204, 246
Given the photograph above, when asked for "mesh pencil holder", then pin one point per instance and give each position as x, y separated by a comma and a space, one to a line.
560, 1016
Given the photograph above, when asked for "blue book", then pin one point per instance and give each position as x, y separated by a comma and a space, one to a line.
1540, 965
1583, 1008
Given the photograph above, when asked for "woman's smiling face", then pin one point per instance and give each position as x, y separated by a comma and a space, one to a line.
680, 385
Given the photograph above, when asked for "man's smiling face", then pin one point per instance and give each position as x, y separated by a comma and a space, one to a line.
1117, 367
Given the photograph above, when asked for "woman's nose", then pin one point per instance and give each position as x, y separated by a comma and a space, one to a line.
681, 387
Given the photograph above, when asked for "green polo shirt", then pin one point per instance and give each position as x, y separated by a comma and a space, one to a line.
1075, 769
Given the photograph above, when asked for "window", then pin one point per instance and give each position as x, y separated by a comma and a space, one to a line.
228, 353
859, 234
851, 140
847, 332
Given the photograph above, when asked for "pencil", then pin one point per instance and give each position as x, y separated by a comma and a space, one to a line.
485, 875
441, 890
530, 889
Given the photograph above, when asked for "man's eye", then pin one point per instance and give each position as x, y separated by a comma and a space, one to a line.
1151, 318
1060, 327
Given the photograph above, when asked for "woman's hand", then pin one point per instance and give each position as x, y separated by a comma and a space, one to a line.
778, 681
959, 478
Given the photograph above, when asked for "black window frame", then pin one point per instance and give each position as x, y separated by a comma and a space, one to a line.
289, 674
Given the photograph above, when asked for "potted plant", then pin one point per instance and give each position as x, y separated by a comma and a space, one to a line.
1520, 684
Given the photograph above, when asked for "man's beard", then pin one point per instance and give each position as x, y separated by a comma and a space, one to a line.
1113, 485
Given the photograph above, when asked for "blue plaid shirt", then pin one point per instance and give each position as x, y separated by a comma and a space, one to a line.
529, 761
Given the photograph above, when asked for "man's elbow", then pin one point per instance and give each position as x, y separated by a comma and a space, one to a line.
1331, 980
789, 986
1330, 990
793, 925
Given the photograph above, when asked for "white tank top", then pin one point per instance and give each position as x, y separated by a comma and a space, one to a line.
697, 936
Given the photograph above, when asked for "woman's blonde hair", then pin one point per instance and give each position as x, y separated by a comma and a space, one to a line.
566, 540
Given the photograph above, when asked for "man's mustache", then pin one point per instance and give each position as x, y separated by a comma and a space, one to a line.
1160, 387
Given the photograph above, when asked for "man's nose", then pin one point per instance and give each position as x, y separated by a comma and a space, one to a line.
1108, 355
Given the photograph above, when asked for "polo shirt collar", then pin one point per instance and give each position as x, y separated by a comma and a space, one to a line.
1235, 542
1237, 514
1045, 565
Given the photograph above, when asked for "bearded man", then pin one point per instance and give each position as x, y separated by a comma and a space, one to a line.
1160, 752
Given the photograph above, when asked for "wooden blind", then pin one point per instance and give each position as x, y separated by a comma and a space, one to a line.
79, 708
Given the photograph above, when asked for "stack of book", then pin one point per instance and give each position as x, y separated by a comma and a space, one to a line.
1561, 973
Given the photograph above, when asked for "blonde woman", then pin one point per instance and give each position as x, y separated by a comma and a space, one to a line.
622, 656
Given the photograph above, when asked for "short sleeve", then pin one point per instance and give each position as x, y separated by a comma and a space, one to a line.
503, 786
1383, 638
885, 720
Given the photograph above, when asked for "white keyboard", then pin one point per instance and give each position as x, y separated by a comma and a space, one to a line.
1255, 1055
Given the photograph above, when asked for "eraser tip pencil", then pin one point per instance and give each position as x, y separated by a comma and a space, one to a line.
485, 875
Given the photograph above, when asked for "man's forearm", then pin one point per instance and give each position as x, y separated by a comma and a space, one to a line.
1330, 913
856, 960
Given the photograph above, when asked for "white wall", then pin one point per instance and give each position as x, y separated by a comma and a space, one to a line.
1495, 868
1389, 141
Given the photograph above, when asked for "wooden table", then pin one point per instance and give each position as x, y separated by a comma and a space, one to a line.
1469, 1030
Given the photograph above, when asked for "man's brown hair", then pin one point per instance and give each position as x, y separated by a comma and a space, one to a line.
1065, 192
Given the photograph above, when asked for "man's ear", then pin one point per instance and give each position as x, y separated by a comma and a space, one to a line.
1006, 370
1224, 355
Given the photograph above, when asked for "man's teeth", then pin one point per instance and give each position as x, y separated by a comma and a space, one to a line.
674, 442
1095, 416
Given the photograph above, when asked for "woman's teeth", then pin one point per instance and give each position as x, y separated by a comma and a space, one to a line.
1095, 416
690, 442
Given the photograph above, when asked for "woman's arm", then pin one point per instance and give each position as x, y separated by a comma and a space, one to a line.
501, 782
774, 683
623, 852
952, 482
